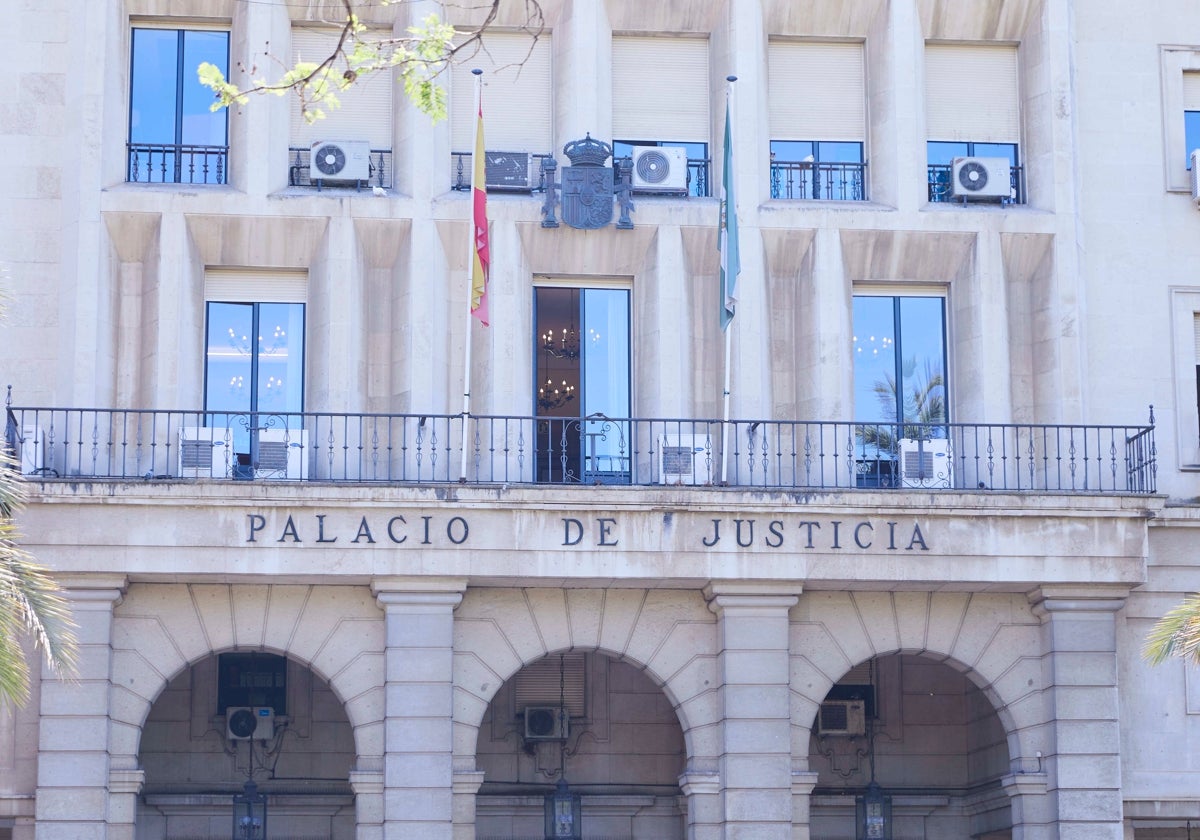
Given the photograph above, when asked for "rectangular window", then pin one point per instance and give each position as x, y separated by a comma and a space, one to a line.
360, 125
251, 679
818, 128
518, 111
900, 387
972, 108
645, 70
174, 137
253, 376
582, 393
1191, 114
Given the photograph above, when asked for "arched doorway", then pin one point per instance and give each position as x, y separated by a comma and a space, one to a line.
618, 741
297, 745
927, 735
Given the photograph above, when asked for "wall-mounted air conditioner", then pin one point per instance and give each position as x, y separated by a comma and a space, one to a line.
980, 177
510, 171
845, 718
340, 160
1195, 173
546, 723
33, 450
282, 453
204, 452
684, 459
243, 723
925, 463
660, 169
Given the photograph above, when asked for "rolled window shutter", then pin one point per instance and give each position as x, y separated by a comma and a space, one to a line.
248, 285
1191, 91
543, 683
517, 94
971, 93
817, 91
660, 89
1196, 334
365, 112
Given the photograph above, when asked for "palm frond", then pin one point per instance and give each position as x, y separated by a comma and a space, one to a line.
1176, 634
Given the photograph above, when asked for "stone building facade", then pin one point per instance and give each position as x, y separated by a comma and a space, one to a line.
934, 576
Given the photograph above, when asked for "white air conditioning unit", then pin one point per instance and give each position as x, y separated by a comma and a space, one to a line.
980, 177
282, 453
510, 171
545, 723
660, 169
925, 463
684, 459
1195, 173
845, 718
243, 723
204, 452
340, 160
33, 450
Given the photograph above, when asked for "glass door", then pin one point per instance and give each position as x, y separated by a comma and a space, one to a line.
581, 389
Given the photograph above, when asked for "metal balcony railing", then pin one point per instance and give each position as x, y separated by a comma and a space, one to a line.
174, 163
939, 183
697, 175
299, 162
518, 172
92, 443
820, 181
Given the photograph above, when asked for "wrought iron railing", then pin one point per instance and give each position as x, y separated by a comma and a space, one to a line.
520, 172
299, 162
175, 163
821, 181
697, 175
56, 443
940, 186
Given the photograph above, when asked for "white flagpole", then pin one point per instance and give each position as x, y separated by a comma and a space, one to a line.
466, 408
728, 332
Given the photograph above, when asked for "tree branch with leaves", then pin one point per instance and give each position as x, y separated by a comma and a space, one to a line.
419, 57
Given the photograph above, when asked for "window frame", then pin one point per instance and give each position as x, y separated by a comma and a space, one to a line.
1174, 61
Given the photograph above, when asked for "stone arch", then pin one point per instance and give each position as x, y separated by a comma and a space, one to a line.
160, 629
993, 639
669, 634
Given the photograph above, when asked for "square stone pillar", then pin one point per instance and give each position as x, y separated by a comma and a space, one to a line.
74, 801
753, 666
1082, 756
418, 774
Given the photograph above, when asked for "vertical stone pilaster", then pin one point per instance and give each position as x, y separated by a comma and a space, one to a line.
418, 776
1083, 766
803, 782
368, 803
74, 797
704, 813
756, 762
466, 786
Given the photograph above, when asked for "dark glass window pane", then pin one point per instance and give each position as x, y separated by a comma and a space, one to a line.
1000, 150
874, 359
792, 151
899, 359
280, 357
1191, 129
838, 152
228, 357
944, 153
921, 355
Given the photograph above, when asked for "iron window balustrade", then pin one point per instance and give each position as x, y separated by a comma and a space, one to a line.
835, 181
461, 168
300, 161
176, 163
128, 444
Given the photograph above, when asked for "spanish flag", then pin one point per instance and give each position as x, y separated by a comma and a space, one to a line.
480, 257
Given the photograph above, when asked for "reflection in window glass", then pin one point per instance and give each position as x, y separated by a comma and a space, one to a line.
817, 169
254, 363
899, 359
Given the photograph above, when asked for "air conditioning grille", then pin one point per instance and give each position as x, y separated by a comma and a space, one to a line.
653, 167
972, 176
330, 159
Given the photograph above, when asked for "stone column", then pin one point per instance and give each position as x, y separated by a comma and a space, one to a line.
703, 792
466, 786
756, 763
74, 798
368, 803
418, 774
803, 782
1082, 761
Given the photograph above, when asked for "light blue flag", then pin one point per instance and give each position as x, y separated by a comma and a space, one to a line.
727, 240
